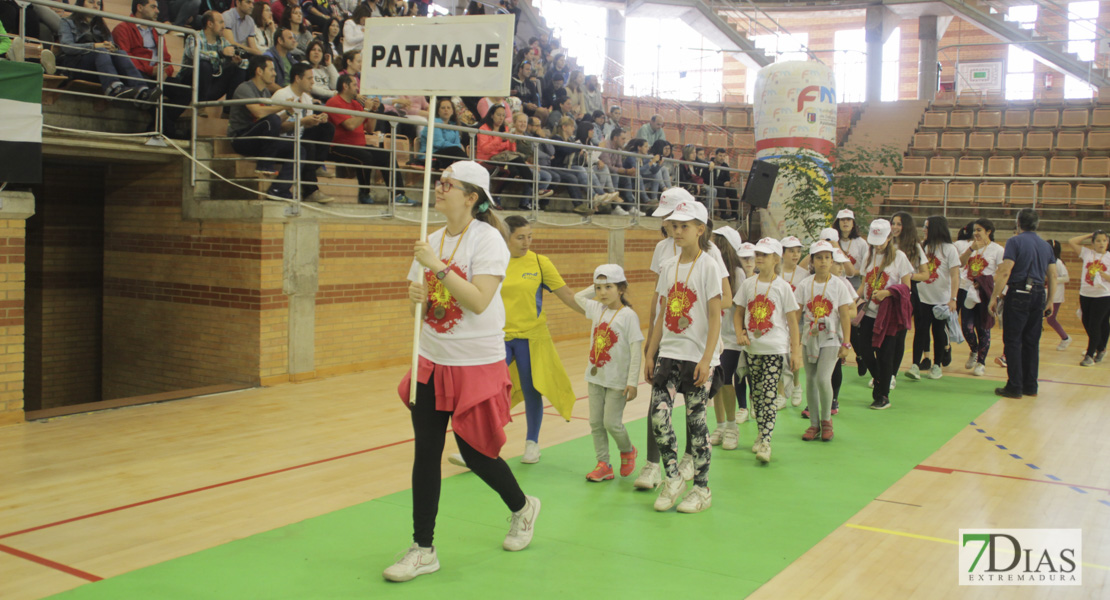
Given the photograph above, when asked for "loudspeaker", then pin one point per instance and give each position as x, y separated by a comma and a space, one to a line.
761, 182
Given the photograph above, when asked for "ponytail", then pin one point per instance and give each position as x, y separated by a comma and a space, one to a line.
486, 214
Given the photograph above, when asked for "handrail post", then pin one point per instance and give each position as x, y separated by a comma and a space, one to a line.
296, 164
161, 78
639, 184
392, 161
535, 182
196, 98
944, 207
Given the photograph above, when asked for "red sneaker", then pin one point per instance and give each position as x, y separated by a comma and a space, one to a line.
628, 462
826, 431
810, 434
600, 473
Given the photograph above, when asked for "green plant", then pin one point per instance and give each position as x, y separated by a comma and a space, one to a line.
820, 190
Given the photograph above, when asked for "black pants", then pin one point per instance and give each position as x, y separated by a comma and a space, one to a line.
261, 140
880, 361
366, 157
837, 379
1096, 322
924, 323
429, 427
1022, 315
445, 157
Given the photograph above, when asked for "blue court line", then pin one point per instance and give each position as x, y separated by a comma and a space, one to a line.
1030, 465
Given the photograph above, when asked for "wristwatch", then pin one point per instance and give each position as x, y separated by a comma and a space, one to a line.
440, 275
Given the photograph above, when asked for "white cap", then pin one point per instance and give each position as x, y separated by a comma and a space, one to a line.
845, 213
829, 234
821, 246
747, 250
878, 232
839, 256
472, 173
689, 211
670, 198
731, 235
769, 246
791, 242
609, 274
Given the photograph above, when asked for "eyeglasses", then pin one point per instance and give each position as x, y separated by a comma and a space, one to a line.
445, 185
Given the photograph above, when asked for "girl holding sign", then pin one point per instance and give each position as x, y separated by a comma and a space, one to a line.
462, 377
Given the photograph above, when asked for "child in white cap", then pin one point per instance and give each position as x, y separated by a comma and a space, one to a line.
685, 333
885, 267
613, 370
767, 327
793, 274
727, 432
826, 328
851, 243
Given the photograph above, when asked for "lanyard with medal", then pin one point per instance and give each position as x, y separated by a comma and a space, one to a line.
609, 326
815, 323
439, 311
684, 321
770, 284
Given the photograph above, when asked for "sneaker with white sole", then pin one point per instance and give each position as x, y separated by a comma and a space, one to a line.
731, 439
780, 402
758, 443
914, 373
650, 477
522, 524
531, 453
764, 452
1088, 361
698, 499
1101, 355
893, 382
620, 212
416, 561
971, 362
871, 384
935, 372
796, 399
1064, 344
686, 467
979, 370
741, 415
457, 460
715, 437
669, 492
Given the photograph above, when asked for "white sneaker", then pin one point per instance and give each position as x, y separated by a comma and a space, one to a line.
971, 361
319, 198
457, 460
686, 467
914, 373
620, 212
715, 437
731, 439
979, 370
522, 524
650, 477
635, 212
416, 561
531, 453
764, 452
758, 442
669, 493
741, 415
935, 372
780, 402
697, 500
893, 383
796, 399
871, 384
1064, 344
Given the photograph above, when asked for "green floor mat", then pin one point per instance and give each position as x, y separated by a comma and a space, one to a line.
593, 538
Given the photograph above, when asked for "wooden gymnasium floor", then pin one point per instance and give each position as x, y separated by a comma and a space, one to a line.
98, 495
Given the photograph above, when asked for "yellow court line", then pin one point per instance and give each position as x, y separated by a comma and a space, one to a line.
941, 540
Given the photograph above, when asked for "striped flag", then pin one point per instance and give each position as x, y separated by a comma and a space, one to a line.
20, 122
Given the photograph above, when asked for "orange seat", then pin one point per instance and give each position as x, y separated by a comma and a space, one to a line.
645, 111
1100, 117
673, 135
744, 141
924, 144
970, 98
1031, 166
1039, 143
992, 192
913, 165
717, 139
670, 115
1095, 166
737, 117
1074, 118
961, 119
944, 100
714, 117
901, 193
1098, 143
940, 166
931, 192
1063, 166
1046, 118
988, 119
1000, 166
1070, 143
971, 166
980, 143
994, 98
952, 143
693, 136
1088, 194
1056, 193
1023, 193
961, 192
1016, 118
1010, 142
935, 120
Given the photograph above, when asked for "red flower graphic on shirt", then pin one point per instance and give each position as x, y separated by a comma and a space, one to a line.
760, 311
680, 300
976, 265
604, 339
819, 307
876, 280
933, 264
1093, 268
851, 259
440, 298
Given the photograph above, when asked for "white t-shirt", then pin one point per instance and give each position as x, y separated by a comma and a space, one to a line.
1094, 279
820, 304
984, 261
937, 289
613, 334
667, 249
685, 306
961, 246
1061, 280
765, 308
452, 335
875, 280
795, 277
856, 250
286, 94
728, 325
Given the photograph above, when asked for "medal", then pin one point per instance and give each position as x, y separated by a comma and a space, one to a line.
439, 312
683, 323
593, 371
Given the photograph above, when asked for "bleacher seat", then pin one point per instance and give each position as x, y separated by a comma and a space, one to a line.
943, 100
1098, 143
669, 114
645, 111
1031, 166
1103, 96
901, 193
935, 119
1100, 117
971, 166
924, 144
994, 98
737, 117
1063, 166
980, 143
1000, 166
1070, 143
1055, 193
744, 142
1010, 143
714, 117
952, 143
970, 98
961, 192
1015, 118
913, 166
693, 136
717, 139
673, 135
988, 119
941, 166
1074, 118
689, 116
1039, 143
991, 192
1095, 166
1089, 194
961, 119
743, 162
1046, 118
628, 110
1023, 193
930, 192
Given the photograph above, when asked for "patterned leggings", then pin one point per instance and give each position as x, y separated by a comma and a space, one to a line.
978, 337
764, 373
665, 383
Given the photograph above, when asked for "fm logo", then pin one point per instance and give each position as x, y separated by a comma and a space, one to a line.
809, 94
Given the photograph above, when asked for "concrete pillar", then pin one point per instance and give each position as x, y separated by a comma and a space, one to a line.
875, 36
928, 35
616, 246
301, 267
614, 53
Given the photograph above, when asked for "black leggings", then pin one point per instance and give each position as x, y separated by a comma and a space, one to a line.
923, 322
837, 379
1096, 322
880, 361
429, 427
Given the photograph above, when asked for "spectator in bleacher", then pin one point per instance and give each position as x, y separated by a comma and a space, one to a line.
568, 163
598, 121
690, 177
350, 136
557, 69
88, 45
604, 190
319, 12
333, 38
574, 94
662, 179
354, 29
475, 8
564, 109
295, 22
282, 55
181, 12
652, 131
485, 103
264, 26
591, 97
325, 78
553, 92
447, 144
545, 152
644, 169
140, 42
531, 154
352, 65
316, 132
524, 86
239, 28
346, 7
220, 74
721, 193
41, 23
489, 146
395, 8
613, 122
256, 129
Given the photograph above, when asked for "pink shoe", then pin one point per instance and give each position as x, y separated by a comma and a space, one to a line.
628, 462
600, 473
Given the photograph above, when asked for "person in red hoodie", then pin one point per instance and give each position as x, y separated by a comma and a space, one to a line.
141, 42
884, 268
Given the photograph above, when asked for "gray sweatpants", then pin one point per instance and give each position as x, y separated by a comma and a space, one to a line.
607, 418
819, 388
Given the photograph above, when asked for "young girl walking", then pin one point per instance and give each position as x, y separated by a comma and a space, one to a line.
1094, 293
685, 333
727, 433
826, 327
981, 259
793, 274
1062, 279
851, 244
937, 286
839, 260
886, 286
767, 327
616, 348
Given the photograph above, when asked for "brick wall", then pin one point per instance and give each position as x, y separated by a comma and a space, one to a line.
12, 236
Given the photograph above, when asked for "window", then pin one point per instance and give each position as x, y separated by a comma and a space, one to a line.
891, 54
779, 46
581, 28
850, 65
1081, 40
669, 59
1025, 17
1019, 63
